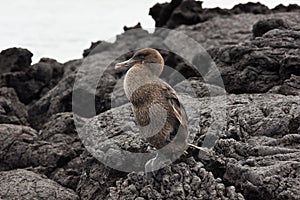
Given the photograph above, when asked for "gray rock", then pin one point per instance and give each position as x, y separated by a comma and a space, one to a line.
110, 136
260, 65
290, 86
57, 100
138, 25
198, 88
35, 81
253, 142
255, 8
182, 180
190, 12
15, 59
96, 178
260, 145
22, 148
96, 47
289, 8
60, 129
69, 174
27, 185
12, 111
161, 13
263, 26
232, 30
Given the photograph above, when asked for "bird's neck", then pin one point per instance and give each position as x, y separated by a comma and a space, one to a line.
136, 77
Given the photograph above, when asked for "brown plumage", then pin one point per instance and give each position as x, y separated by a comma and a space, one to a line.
156, 107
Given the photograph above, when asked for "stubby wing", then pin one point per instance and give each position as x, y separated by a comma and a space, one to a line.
176, 105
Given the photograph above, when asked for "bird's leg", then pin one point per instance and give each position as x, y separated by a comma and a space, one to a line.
156, 163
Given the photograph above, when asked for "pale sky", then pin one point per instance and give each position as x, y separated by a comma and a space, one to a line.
61, 29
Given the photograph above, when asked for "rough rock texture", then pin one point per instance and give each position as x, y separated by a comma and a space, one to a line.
197, 88
260, 146
232, 30
54, 151
290, 86
261, 64
60, 129
183, 180
96, 178
21, 147
257, 151
35, 81
104, 136
263, 26
27, 185
12, 111
260, 135
59, 99
14, 59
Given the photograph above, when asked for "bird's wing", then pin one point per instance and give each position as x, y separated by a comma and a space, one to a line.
177, 107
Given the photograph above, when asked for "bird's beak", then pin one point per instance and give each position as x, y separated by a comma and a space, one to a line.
129, 62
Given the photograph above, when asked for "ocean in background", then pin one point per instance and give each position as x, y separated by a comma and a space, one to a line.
62, 29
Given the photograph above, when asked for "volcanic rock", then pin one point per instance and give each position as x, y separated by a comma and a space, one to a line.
22, 148
263, 26
260, 65
12, 111
184, 180
290, 86
289, 8
34, 82
254, 8
14, 59
27, 185
138, 25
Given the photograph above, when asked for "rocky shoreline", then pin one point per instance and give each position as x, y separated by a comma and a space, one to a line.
257, 153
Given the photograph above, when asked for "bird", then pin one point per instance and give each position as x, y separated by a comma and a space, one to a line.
157, 110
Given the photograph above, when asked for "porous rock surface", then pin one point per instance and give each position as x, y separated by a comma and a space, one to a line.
183, 180
27, 185
261, 64
261, 146
21, 147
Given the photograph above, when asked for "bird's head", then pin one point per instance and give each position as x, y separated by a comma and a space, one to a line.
148, 57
